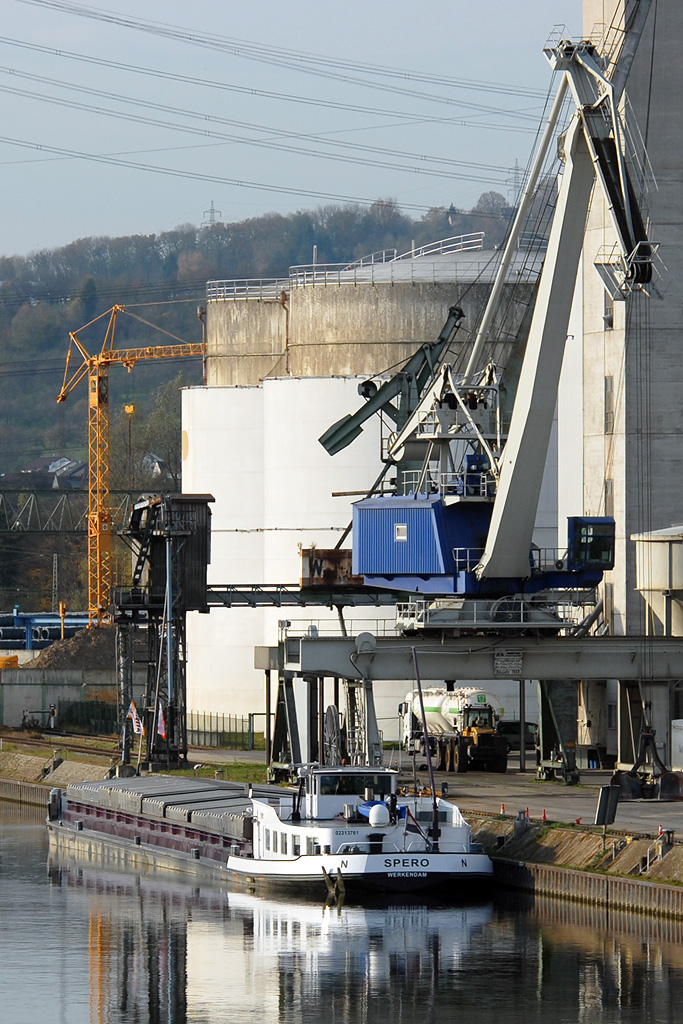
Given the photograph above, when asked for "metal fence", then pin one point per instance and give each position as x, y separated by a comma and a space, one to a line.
209, 729
471, 242
264, 289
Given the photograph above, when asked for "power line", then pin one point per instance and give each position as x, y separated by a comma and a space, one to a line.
308, 63
22, 369
199, 176
271, 94
206, 133
196, 288
203, 116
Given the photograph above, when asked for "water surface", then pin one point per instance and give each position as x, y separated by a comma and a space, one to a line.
84, 946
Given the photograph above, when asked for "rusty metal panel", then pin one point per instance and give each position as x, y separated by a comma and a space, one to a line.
328, 567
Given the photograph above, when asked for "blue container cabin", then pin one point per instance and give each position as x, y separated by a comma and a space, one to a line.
423, 544
417, 543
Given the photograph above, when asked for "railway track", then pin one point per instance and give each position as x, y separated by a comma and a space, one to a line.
71, 741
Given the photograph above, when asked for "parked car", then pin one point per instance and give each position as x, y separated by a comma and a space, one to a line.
512, 731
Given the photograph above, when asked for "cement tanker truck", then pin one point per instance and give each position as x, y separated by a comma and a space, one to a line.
461, 725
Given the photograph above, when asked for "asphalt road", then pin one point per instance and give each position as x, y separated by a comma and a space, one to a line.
514, 792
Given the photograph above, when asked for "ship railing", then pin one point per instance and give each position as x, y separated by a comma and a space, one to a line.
381, 256
214, 729
467, 559
330, 273
482, 405
549, 559
384, 626
398, 271
377, 268
415, 613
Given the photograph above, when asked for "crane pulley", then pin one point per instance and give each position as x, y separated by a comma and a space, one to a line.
96, 368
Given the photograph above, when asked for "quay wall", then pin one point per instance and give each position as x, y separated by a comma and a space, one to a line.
28, 793
34, 689
632, 894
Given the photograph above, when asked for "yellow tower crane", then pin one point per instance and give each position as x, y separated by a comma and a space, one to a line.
96, 368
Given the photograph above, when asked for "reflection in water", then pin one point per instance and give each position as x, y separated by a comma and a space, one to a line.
137, 943
159, 951
174, 953
93, 947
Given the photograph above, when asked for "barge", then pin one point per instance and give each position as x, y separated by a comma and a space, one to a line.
343, 829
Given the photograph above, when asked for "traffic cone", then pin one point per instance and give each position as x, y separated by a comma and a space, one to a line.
660, 831
527, 812
502, 808
543, 817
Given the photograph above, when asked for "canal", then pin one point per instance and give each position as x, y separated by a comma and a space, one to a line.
84, 946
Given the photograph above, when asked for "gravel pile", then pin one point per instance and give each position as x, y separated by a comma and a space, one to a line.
90, 649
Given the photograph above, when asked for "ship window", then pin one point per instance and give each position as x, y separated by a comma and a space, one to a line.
593, 544
274, 842
400, 531
354, 785
312, 846
267, 838
296, 846
283, 842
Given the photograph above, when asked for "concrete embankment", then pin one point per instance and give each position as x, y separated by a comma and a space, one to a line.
27, 779
635, 873
28, 793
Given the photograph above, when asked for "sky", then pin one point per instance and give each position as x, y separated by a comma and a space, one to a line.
133, 118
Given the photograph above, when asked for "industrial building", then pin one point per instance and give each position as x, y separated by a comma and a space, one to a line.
284, 362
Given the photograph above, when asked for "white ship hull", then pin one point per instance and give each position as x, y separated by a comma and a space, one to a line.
449, 872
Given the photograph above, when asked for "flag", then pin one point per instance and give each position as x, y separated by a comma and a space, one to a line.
161, 722
138, 727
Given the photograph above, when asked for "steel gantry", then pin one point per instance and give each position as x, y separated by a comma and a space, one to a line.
53, 511
96, 369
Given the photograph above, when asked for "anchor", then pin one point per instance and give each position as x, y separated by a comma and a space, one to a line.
336, 889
